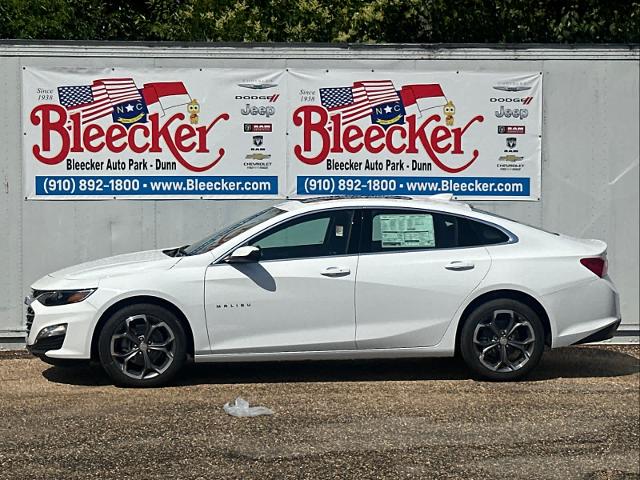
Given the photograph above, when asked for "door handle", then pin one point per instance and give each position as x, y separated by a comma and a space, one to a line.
459, 266
335, 271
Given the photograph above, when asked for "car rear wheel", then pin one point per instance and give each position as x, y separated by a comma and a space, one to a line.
502, 340
142, 345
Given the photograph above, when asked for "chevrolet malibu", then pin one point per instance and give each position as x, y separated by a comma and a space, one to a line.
332, 279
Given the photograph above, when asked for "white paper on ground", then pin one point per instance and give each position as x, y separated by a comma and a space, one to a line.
240, 408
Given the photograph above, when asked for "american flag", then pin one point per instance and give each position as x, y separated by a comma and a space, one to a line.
98, 99
357, 101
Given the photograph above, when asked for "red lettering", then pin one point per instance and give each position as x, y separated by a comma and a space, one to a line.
131, 139
115, 133
303, 116
390, 145
91, 133
336, 121
458, 132
76, 128
351, 134
60, 131
184, 133
44, 114
411, 138
439, 135
372, 135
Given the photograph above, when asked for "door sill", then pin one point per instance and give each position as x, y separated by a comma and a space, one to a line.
325, 355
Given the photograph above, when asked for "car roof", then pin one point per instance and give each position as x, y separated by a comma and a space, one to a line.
437, 202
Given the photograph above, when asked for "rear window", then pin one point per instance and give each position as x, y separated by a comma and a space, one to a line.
463, 232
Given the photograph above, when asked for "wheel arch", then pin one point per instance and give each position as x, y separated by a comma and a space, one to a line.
511, 294
125, 302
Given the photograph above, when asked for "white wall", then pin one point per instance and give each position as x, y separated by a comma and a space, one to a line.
590, 153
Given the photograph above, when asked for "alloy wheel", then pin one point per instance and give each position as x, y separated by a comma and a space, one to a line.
504, 341
143, 347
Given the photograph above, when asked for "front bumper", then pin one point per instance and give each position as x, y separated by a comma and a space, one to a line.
75, 343
44, 345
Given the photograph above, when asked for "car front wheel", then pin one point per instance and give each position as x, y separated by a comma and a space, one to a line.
502, 340
142, 345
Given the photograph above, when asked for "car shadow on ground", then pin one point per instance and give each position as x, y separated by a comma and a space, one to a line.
572, 362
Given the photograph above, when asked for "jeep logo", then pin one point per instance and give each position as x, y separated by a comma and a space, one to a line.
520, 113
262, 110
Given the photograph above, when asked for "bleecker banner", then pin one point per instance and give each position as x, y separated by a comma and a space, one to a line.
475, 135
223, 133
156, 133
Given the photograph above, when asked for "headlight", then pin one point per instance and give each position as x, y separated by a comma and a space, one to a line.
63, 297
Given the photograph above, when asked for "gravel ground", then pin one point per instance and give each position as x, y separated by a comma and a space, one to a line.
577, 417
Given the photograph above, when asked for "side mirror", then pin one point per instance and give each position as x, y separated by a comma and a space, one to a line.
244, 254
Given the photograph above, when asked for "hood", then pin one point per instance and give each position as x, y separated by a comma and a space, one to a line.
117, 265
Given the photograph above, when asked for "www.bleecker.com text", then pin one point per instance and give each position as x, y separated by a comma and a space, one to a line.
120, 165
369, 165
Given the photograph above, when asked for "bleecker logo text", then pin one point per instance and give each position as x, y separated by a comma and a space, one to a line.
409, 138
176, 137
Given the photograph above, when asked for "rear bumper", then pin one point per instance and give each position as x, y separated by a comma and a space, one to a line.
605, 334
582, 312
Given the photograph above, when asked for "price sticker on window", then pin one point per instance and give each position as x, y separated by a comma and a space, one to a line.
407, 231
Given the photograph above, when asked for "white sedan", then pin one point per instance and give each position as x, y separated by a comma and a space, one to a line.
332, 279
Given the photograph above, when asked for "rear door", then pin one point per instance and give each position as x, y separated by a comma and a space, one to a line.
415, 270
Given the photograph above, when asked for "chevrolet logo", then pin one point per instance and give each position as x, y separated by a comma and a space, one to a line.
510, 158
257, 156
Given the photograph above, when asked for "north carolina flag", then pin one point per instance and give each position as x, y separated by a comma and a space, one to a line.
160, 96
424, 96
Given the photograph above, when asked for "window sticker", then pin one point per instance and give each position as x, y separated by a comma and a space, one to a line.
407, 231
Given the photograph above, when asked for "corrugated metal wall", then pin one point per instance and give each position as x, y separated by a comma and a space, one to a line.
591, 145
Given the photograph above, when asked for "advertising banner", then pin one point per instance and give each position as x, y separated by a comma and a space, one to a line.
475, 135
229, 133
160, 133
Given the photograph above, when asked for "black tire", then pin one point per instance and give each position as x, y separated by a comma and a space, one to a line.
146, 358
487, 325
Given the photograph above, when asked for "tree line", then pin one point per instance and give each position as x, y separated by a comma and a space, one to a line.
365, 21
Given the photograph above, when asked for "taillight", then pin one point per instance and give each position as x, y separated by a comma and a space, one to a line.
597, 265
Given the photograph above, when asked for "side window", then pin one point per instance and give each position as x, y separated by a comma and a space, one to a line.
316, 235
454, 231
405, 230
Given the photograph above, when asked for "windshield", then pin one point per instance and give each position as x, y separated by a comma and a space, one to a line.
231, 231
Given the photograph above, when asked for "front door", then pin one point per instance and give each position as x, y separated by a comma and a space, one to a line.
298, 297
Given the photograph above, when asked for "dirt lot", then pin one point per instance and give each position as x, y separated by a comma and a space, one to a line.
578, 417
